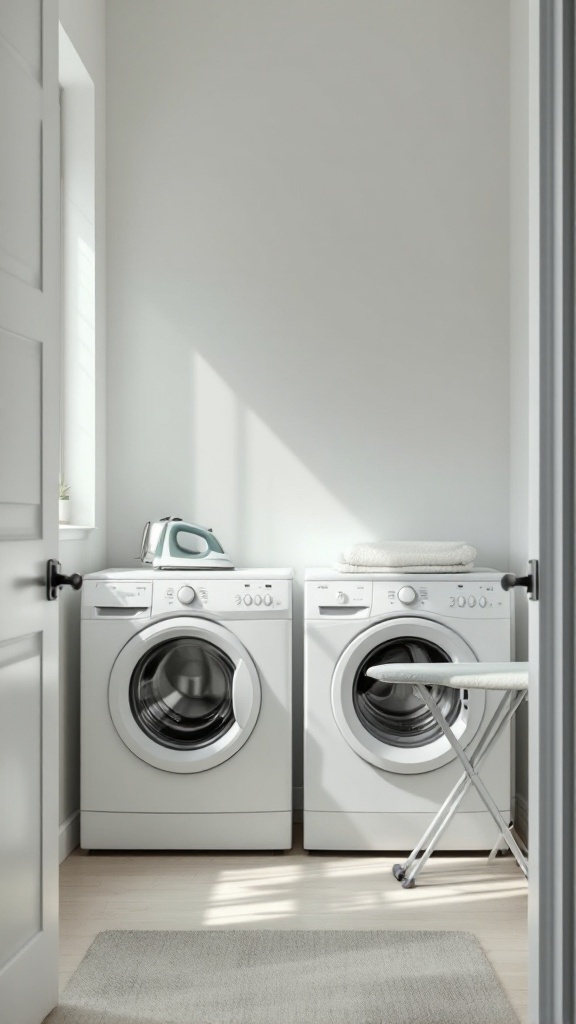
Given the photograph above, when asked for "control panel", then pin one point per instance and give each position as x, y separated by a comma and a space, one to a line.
234, 598
245, 597
467, 599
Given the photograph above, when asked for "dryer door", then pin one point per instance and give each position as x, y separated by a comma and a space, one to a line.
184, 694
387, 724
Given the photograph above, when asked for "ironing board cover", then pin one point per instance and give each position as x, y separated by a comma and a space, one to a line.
501, 675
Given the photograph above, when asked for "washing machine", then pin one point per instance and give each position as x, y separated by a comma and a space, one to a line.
376, 765
186, 710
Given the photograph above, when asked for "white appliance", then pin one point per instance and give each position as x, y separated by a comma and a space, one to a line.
376, 765
186, 710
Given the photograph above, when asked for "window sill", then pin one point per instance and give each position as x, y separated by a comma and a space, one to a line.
68, 531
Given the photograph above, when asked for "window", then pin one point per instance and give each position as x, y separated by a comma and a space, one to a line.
78, 405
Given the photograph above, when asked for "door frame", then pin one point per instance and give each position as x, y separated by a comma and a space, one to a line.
552, 993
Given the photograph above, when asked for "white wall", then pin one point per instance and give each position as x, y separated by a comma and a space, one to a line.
308, 273
84, 23
519, 321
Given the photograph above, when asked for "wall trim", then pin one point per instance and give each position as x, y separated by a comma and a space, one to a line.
69, 836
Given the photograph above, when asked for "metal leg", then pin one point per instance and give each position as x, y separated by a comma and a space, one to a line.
409, 870
441, 826
497, 848
471, 771
399, 870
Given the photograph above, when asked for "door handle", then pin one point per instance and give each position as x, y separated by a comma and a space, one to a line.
530, 581
55, 580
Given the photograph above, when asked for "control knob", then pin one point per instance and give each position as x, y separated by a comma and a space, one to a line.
267, 600
407, 595
341, 597
186, 595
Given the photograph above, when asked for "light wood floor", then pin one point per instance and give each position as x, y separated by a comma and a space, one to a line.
295, 890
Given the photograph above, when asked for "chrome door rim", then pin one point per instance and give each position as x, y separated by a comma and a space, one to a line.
246, 696
392, 758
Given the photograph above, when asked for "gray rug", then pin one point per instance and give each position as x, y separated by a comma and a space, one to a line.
284, 977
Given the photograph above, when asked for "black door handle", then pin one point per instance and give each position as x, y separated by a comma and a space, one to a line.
55, 580
530, 581
509, 580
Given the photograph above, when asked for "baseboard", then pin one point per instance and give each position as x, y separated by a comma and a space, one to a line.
69, 836
521, 817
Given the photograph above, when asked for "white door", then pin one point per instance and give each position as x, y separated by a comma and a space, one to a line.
29, 357
385, 724
184, 694
552, 627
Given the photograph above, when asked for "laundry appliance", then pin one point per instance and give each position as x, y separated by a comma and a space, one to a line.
376, 764
186, 709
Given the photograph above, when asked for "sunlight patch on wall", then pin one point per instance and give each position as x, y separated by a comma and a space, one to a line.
257, 495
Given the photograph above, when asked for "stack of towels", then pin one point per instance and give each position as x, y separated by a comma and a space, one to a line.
408, 556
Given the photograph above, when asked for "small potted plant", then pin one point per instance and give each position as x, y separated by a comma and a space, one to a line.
64, 502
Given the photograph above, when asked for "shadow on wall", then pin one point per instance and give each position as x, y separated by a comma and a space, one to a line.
353, 469
308, 274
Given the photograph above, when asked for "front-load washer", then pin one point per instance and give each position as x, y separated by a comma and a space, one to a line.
376, 765
186, 710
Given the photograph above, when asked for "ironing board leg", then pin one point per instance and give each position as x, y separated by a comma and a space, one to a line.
496, 848
400, 870
473, 775
502, 715
441, 826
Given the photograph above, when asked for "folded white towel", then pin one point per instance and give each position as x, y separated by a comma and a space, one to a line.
347, 567
411, 555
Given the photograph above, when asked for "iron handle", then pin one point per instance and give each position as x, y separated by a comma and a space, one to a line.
55, 580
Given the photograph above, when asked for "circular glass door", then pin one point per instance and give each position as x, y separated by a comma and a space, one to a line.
388, 724
181, 693
184, 695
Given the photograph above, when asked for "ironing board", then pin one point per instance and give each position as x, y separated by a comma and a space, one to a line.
509, 677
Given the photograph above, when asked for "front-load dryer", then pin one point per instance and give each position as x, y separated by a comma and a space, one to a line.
376, 765
186, 710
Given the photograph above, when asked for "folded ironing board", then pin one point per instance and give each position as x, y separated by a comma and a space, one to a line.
512, 679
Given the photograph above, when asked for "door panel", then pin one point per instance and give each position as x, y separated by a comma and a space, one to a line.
21, 29
29, 464
20, 793
21, 180
20, 463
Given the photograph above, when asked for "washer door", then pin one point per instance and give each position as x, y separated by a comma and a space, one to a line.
387, 724
184, 695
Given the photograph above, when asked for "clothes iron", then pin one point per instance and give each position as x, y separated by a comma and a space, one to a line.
174, 544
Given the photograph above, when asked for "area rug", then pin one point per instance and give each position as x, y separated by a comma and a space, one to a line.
284, 977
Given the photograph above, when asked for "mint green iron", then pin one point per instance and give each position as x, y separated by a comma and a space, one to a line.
174, 544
